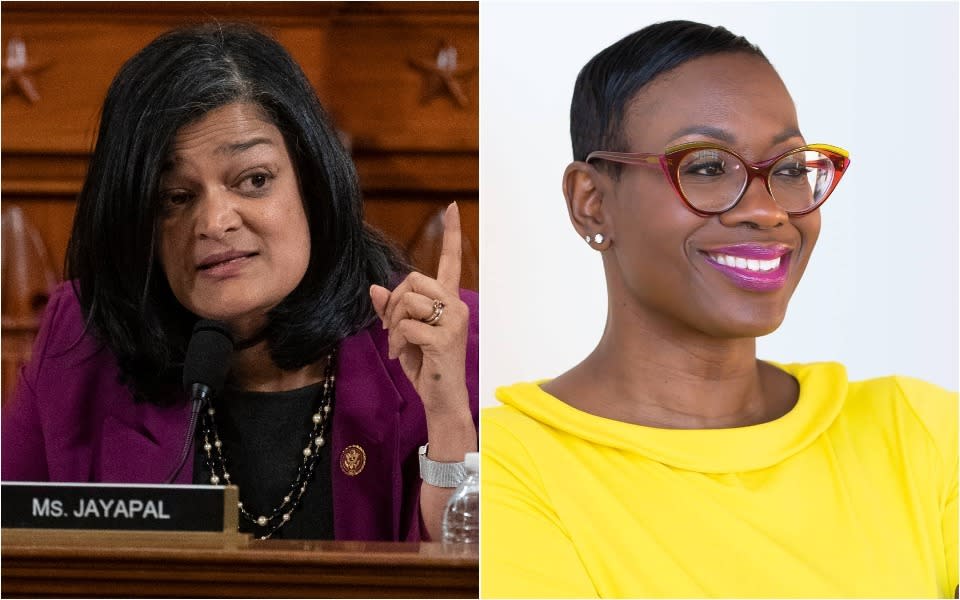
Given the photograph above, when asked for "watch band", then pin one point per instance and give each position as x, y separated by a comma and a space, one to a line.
440, 474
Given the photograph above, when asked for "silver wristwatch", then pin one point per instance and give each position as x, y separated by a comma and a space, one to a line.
440, 474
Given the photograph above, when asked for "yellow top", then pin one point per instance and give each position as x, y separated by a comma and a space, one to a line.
852, 493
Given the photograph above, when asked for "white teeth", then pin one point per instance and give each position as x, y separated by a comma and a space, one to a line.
748, 264
769, 265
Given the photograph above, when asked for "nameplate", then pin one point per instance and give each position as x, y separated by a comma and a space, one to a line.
118, 506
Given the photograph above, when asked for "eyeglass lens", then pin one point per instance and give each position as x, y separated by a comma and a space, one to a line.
712, 180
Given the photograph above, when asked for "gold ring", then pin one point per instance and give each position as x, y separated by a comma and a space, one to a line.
437, 311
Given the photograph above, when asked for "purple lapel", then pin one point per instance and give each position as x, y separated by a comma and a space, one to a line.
142, 443
366, 417
101, 433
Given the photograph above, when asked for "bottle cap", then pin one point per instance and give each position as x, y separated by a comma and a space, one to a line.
471, 461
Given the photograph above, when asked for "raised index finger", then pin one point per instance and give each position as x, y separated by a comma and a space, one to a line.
448, 272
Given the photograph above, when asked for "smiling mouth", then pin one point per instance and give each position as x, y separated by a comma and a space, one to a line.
752, 274
747, 264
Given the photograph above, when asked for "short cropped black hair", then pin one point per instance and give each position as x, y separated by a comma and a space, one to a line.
112, 256
611, 80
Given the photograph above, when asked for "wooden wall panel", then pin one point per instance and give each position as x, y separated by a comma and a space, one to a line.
408, 221
360, 62
380, 96
81, 64
53, 217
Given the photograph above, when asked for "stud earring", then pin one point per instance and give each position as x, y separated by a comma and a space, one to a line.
586, 238
598, 239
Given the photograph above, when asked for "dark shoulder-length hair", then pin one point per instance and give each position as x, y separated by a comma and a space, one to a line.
112, 255
611, 80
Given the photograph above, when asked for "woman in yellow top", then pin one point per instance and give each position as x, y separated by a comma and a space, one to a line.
671, 462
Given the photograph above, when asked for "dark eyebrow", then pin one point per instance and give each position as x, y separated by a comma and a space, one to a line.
707, 130
239, 147
230, 149
786, 134
726, 136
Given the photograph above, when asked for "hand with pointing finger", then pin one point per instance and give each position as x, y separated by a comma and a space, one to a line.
428, 332
427, 324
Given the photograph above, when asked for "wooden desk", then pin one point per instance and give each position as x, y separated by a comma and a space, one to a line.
96, 564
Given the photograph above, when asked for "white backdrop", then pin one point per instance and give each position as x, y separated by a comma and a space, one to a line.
879, 79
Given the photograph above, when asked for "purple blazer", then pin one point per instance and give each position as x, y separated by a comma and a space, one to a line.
70, 420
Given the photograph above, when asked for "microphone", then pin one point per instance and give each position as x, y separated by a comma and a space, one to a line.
204, 373
207, 359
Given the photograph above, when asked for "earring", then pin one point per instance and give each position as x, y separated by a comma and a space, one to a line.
597, 239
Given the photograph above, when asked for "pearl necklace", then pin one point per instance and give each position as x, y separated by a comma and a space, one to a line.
281, 514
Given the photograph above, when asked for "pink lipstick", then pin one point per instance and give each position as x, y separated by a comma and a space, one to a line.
753, 267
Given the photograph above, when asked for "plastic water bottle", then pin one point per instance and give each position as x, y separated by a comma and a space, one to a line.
461, 518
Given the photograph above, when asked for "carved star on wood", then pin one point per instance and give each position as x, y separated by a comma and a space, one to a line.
443, 76
17, 71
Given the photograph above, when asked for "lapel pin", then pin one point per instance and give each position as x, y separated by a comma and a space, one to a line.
352, 460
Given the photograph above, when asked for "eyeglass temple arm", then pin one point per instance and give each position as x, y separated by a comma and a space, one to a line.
647, 160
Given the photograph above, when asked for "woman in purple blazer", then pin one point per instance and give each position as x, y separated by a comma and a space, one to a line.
218, 190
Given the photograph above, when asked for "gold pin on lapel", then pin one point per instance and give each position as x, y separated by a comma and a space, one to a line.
352, 460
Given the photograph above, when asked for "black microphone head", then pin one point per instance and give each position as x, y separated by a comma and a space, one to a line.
208, 356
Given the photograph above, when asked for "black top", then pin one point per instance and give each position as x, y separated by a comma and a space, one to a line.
263, 435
